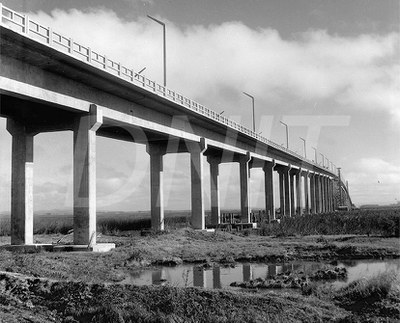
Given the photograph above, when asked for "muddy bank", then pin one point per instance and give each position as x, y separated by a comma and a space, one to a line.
39, 300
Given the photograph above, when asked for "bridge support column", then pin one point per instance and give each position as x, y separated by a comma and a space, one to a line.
330, 194
84, 174
333, 195
313, 193
325, 191
21, 184
281, 192
285, 188
288, 189
156, 153
196, 170
292, 193
299, 193
244, 188
317, 193
214, 185
269, 190
306, 190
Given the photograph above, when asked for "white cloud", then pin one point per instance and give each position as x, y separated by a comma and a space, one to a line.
357, 72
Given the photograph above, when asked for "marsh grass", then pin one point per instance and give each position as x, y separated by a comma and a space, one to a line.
111, 225
368, 222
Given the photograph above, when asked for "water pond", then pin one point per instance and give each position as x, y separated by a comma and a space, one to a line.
221, 277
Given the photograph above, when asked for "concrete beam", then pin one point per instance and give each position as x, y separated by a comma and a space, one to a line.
84, 176
21, 184
26, 91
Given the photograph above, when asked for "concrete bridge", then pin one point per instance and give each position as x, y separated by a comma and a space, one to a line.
50, 83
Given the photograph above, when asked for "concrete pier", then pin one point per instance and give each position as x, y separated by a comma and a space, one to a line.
21, 184
156, 152
197, 195
313, 202
269, 190
214, 187
306, 176
244, 188
292, 192
299, 193
84, 172
288, 189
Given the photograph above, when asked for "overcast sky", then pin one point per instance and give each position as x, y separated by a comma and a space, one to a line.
330, 69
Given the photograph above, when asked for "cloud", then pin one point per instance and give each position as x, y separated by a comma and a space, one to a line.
356, 72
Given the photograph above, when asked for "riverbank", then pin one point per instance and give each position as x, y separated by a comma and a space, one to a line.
94, 278
188, 246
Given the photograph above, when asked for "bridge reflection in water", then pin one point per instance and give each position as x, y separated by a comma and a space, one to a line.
221, 277
215, 277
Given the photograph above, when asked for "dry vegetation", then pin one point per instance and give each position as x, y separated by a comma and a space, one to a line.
81, 287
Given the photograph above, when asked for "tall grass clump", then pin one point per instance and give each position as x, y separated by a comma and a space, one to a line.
368, 222
365, 295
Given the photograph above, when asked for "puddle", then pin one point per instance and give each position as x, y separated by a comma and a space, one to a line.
221, 277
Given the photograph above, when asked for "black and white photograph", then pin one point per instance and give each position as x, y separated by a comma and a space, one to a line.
199, 161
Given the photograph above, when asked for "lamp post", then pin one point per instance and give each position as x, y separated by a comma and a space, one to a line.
287, 134
164, 47
252, 100
323, 160
316, 155
304, 142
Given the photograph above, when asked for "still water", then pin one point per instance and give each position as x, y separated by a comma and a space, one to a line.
221, 277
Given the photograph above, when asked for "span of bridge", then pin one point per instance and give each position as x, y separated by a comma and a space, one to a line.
48, 83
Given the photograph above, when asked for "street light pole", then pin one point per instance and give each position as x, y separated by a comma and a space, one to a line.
287, 134
323, 160
252, 100
164, 47
305, 151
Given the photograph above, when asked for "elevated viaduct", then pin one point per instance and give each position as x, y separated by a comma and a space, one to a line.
50, 83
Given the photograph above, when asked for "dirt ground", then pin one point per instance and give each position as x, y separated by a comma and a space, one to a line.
80, 286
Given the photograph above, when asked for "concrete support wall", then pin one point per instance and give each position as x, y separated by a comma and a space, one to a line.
196, 170
21, 184
84, 176
156, 153
214, 186
244, 189
269, 190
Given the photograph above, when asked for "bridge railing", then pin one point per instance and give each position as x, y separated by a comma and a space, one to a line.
24, 25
